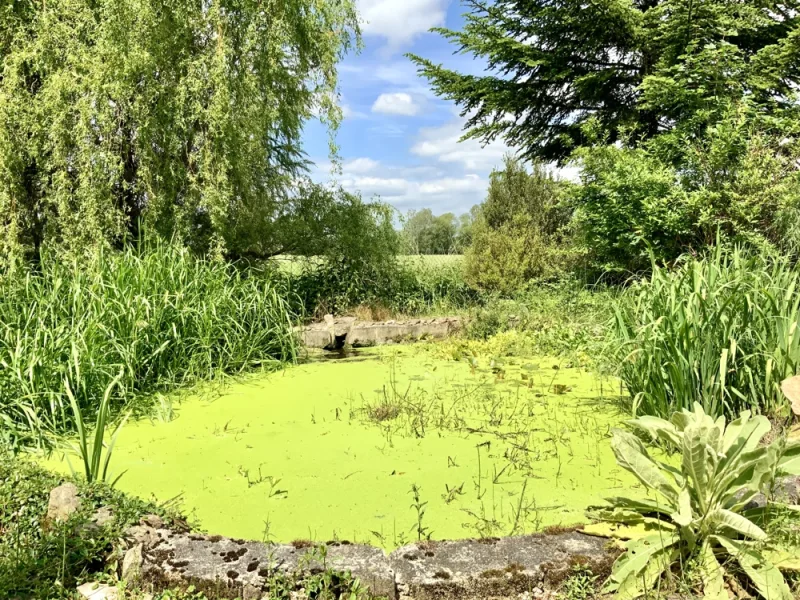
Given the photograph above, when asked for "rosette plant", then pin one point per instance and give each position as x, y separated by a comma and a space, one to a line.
700, 511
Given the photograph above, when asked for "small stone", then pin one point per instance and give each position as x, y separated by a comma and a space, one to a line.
132, 563
153, 521
98, 591
102, 516
141, 534
64, 501
251, 592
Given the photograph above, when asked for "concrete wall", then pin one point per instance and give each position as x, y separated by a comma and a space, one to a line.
336, 333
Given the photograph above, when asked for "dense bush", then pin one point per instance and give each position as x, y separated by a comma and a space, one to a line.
159, 318
559, 319
389, 285
719, 330
354, 260
519, 232
735, 181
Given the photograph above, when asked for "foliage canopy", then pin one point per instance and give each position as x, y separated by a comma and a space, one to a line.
186, 115
425, 233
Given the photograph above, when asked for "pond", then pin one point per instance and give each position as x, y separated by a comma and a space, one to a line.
333, 449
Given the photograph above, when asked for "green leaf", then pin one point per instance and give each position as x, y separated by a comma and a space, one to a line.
765, 576
634, 587
741, 437
639, 552
615, 514
784, 559
632, 456
698, 461
736, 522
641, 505
683, 516
658, 429
711, 573
789, 460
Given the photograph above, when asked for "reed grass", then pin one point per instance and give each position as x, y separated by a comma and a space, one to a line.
160, 317
720, 330
91, 445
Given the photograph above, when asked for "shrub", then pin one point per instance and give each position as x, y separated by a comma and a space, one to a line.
733, 180
720, 330
401, 285
161, 317
518, 234
354, 258
699, 513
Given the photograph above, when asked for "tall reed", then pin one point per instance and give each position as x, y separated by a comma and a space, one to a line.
160, 317
719, 330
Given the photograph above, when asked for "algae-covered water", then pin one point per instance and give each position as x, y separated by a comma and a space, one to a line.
331, 449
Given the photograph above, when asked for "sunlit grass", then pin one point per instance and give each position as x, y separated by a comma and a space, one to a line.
161, 318
720, 330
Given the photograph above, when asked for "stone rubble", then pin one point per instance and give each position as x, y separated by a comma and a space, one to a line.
98, 591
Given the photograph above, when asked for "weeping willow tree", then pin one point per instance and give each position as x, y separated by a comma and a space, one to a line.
182, 115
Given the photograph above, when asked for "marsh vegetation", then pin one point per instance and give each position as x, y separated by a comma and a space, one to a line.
630, 334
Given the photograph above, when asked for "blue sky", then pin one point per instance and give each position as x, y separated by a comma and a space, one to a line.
399, 141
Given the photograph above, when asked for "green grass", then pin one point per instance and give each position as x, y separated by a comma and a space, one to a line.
156, 319
719, 330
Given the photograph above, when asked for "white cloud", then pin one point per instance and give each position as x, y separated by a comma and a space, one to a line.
448, 185
442, 143
398, 103
407, 187
400, 21
360, 165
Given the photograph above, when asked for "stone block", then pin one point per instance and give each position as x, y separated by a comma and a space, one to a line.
64, 501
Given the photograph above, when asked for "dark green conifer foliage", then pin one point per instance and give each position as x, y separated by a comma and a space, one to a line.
635, 67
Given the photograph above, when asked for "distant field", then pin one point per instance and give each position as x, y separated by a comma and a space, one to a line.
433, 259
293, 264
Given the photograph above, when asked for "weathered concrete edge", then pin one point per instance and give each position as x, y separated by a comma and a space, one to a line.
336, 333
497, 567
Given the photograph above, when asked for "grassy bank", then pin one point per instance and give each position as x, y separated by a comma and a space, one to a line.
157, 319
41, 559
